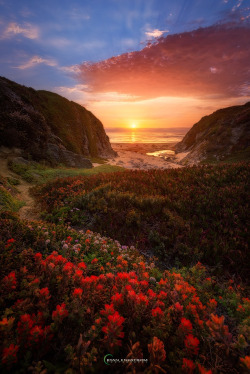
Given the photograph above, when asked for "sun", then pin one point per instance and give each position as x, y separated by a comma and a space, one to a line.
133, 125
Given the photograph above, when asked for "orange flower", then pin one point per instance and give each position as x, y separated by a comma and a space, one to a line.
157, 351
245, 361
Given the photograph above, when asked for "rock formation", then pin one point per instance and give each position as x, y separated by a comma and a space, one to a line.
46, 126
223, 135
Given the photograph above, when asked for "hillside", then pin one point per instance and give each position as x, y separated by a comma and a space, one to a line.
223, 135
47, 126
76, 301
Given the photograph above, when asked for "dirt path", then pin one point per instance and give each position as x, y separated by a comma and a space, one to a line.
30, 210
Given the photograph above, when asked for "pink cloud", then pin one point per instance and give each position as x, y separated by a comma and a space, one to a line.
207, 62
27, 30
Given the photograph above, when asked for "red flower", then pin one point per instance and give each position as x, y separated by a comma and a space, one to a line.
60, 313
109, 309
10, 240
94, 261
25, 325
36, 334
202, 370
178, 307
186, 326
10, 281
113, 330
188, 366
82, 265
68, 267
10, 354
38, 257
117, 299
192, 344
245, 361
157, 351
77, 292
157, 312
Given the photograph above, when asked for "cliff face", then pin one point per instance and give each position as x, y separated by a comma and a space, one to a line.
48, 126
225, 134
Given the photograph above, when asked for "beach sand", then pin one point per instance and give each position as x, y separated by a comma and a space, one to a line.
134, 156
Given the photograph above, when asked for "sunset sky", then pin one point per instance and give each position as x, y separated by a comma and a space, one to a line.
133, 63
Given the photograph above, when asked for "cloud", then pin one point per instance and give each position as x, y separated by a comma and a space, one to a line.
37, 60
70, 69
82, 94
79, 15
27, 30
202, 63
156, 33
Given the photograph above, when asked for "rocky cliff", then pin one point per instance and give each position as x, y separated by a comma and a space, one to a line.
223, 135
46, 126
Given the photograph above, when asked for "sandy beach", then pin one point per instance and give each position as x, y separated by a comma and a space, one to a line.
135, 156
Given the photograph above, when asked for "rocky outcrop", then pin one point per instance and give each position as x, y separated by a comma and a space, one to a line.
46, 126
59, 155
223, 135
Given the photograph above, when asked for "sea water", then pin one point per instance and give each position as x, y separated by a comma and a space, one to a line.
146, 135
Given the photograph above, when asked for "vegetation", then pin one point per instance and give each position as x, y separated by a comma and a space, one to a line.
181, 215
34, 172
8, 192
69, 299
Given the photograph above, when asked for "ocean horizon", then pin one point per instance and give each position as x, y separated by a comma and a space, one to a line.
146, 135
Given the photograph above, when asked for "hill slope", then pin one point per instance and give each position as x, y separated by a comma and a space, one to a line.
222, 135
47, 126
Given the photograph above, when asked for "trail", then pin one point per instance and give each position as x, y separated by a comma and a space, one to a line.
30, 210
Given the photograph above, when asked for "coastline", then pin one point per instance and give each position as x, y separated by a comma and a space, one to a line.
134, 156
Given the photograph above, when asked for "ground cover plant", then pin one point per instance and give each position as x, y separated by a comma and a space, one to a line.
181, 215
8, 195
34, 172
69, 299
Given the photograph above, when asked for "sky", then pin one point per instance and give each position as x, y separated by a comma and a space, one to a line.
133, 63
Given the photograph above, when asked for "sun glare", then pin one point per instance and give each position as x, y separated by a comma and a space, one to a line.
133, 125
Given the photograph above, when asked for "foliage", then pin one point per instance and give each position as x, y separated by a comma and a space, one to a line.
70, 298
181, 215
8, 199
34, 172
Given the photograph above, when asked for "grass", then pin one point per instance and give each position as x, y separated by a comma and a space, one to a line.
38, 173
8, 200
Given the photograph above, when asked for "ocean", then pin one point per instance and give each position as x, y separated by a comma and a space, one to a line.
146, 135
